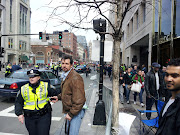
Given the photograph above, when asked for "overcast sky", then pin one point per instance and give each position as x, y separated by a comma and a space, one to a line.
41, 11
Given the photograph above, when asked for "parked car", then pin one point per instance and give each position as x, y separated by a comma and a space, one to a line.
80, 69
10, 85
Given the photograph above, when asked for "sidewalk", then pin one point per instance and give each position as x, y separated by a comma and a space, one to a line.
132, 109
87, 127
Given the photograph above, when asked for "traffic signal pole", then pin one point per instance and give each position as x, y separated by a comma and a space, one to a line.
100, 115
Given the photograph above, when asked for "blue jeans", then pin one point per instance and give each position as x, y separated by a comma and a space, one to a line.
121, 91
75, 123
127, 92
140, 95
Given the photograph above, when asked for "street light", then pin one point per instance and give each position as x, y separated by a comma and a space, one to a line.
99, 26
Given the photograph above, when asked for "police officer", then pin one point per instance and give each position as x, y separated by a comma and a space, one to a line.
52, 67
36, 66
8, 70
32, 103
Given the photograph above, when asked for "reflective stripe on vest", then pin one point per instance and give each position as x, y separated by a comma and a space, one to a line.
35, 101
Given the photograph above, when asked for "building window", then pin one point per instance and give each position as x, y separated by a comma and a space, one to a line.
23, 20
137, 20
144, 11
24, 1
0, 13
0, 25
22, 45
10, 15
127, 30
10, 43
132, 25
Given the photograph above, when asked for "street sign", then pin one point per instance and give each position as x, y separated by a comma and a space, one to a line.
108, 46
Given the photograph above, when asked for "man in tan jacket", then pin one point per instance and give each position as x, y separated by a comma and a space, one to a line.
72, 96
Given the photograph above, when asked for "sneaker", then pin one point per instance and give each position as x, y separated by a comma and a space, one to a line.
142, 105
122, 102
135, 102
128, 102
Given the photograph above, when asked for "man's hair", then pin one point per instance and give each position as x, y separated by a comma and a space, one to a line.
174, 62
68, 57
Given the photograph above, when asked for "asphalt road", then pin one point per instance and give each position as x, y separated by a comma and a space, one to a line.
9, 124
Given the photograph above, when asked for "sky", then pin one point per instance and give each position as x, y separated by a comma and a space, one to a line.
42, 9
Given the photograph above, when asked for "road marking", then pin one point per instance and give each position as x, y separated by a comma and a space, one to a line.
6, 113
1, 133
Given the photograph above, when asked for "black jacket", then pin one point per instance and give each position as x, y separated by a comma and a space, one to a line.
150, 84
19, 102
169, 124
127, 79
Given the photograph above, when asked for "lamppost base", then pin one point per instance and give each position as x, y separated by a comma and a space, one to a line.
99, 115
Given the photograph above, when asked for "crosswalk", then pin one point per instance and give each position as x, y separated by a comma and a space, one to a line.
1, 133
7, 113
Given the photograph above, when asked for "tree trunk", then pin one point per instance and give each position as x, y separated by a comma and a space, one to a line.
116, 65
115, 91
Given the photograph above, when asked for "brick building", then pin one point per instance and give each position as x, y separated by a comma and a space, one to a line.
44, 54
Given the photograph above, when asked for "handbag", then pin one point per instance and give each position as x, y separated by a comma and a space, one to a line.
129, 86
136, 87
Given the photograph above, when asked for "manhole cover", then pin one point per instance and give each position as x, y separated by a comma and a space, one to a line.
127, 110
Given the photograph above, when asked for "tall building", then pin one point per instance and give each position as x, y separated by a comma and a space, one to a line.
90, 51
15, 19
80, 52
151, 32
82, 40
68, 43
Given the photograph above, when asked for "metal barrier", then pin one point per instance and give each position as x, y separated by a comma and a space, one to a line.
107, 98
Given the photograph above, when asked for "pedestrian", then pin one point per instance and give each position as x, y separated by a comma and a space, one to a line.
32, 104
128, 83
109, 69
169, 119
134, 70
104, 69
138, 78
56, 69
8, 70
87, 70
72, 96
121, 84
154, 87
144, 68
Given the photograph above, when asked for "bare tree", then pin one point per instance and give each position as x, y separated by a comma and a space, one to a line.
87, 10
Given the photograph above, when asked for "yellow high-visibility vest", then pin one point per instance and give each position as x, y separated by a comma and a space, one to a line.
7, 69
35, 101
55, 67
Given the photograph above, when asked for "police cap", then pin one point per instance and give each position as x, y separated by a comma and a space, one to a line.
33, 73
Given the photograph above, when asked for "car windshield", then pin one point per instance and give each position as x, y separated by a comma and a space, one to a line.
79, 67
18, 75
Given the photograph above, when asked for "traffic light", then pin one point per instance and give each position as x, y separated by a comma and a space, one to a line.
40, 35
60, 35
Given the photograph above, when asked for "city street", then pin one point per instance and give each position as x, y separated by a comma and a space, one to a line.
11, 126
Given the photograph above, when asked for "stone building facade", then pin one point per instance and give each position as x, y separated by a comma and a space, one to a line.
15, 19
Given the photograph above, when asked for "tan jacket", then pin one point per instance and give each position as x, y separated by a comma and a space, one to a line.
72, 93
